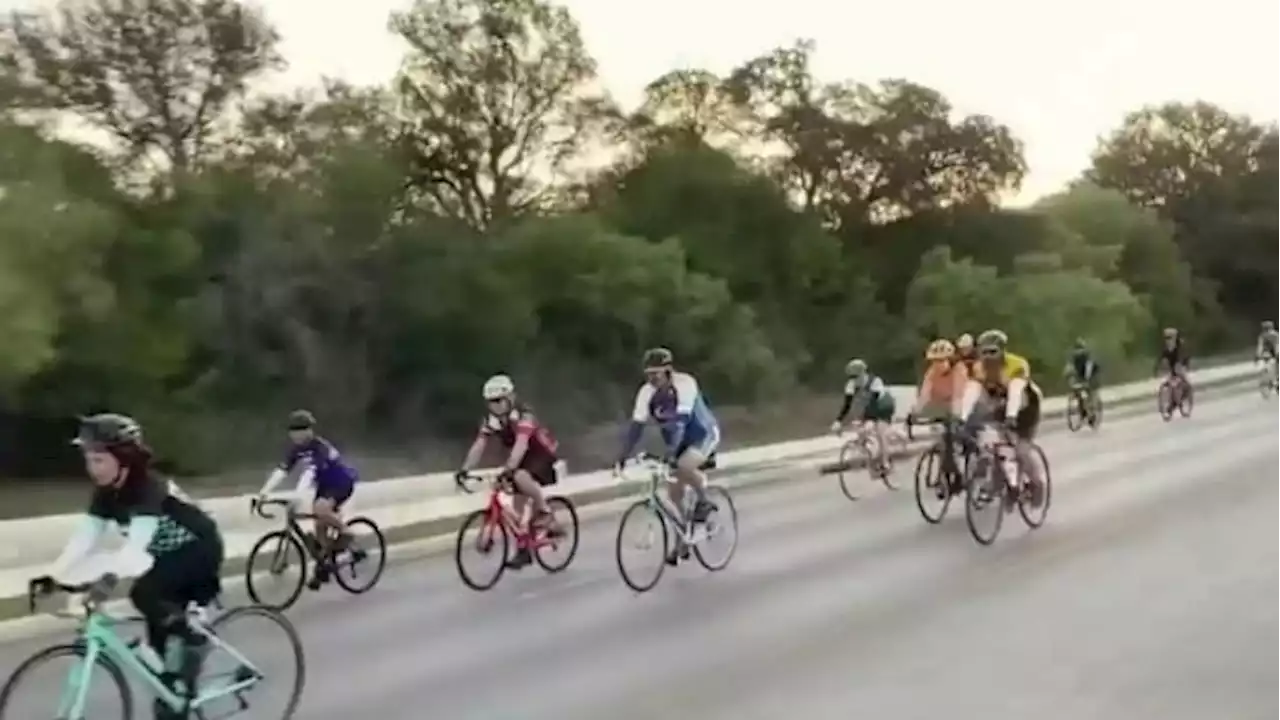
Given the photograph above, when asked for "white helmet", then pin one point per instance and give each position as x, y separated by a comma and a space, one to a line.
498, 387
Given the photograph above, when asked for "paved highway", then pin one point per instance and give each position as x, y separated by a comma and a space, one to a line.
1150, 593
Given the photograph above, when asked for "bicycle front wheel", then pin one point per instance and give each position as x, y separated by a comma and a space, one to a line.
643, 527
1188, 400
491, 541
76, 702
223, 627
850, 454
1034, 516
932, 485
984, 500
1075, 412
267, 574
716, 550
359, 567
1164, 401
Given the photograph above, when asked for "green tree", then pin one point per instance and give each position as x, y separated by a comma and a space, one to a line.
154, 75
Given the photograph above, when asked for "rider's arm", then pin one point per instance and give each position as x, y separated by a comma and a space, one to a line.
80, 544
969, 399
476, 451
847, 403
1017, 386
280, 473
640, 417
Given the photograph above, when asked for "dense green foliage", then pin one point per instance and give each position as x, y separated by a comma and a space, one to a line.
374, 253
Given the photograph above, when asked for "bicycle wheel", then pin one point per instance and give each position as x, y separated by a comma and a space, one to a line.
985, 495
220, 627
643, 516
723, 523
358, 568
277, 551
932, 483
1188, 400
555, 555
491, 541
850, 452
1096, 406
39, 705
895, 445
1075, 412
1164, 400
1033, 516
1264, 382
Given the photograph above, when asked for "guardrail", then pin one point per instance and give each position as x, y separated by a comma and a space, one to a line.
412, 501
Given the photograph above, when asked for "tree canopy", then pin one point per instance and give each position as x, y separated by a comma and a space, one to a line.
373, 253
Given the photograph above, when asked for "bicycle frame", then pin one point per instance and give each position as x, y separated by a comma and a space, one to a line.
658, 475
496, 512
100, 639
293, 525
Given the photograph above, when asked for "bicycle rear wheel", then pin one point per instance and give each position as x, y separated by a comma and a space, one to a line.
364, 560
1033, 516
985, 498
895, 445
723, 524
1096, 406
221, 628
555, 555
1188, 400
14, 707
266, 572
491, 541
651, 528
1075, 412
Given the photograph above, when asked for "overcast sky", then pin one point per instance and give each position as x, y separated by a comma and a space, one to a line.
1060, 74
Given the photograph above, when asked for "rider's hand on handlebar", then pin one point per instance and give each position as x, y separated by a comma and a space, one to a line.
43, 585
836, 427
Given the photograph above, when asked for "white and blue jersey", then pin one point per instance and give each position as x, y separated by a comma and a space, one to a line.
682, 413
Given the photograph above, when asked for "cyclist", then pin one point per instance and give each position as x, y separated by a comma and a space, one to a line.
1268, 342
1083, 370
966, 352
674, 401
531, 456
1175, 356
330, 480
943, 382
173, 548
867, 399
1004, 379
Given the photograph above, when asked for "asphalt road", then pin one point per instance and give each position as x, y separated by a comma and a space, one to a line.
1150, 593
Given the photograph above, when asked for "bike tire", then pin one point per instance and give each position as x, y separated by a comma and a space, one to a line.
295, 645
1024, 502
849, 452
1264, 384
1075, 413
1164, 401
929, 460
282, 539
487, 532
894, 445
58, 651
560, 506
974, 502
722, 500
1097, 411
638, 509
1187, 402
348, 584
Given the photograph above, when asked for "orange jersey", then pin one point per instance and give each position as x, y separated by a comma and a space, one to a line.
944, 382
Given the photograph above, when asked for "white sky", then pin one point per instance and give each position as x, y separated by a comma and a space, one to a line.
1059, 74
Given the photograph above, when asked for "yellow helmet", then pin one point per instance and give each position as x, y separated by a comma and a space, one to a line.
940, 349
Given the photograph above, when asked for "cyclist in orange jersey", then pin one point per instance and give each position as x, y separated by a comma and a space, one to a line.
943, 383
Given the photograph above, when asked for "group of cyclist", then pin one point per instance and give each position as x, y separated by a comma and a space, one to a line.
174, 549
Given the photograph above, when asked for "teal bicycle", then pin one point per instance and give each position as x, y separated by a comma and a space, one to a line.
99, 645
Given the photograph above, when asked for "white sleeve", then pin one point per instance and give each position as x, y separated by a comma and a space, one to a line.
306, 482
686, 392
972, 392
850, 388
276, 477
1017, 386
641, 412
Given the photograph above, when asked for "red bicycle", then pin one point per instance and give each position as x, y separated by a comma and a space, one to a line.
491, 530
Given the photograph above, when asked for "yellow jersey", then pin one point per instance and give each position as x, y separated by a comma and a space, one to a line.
1014, 367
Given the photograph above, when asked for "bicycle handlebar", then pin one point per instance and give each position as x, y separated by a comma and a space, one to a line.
467, 482
258, 506
96, 592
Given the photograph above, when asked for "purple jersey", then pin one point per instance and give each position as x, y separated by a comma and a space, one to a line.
322, 458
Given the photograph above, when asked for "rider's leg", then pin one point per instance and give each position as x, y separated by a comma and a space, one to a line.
689, 472
528, 487
1025, 427
535, 474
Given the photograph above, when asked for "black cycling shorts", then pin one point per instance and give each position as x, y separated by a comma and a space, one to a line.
541, 466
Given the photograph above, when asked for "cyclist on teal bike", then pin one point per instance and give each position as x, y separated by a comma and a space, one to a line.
174, 549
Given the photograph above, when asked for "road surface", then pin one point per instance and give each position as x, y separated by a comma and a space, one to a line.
1150, 593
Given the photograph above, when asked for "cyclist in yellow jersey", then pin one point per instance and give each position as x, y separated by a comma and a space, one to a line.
1004, 380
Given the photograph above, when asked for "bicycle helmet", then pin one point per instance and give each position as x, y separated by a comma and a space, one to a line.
964, 342
498, 387
940, 349
658, 358
301, 420
114, 433
992, 343
855, 368
1268, 326
1170, 332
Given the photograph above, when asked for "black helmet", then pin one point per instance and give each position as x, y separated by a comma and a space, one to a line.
108, 431
658, 358
301, 420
